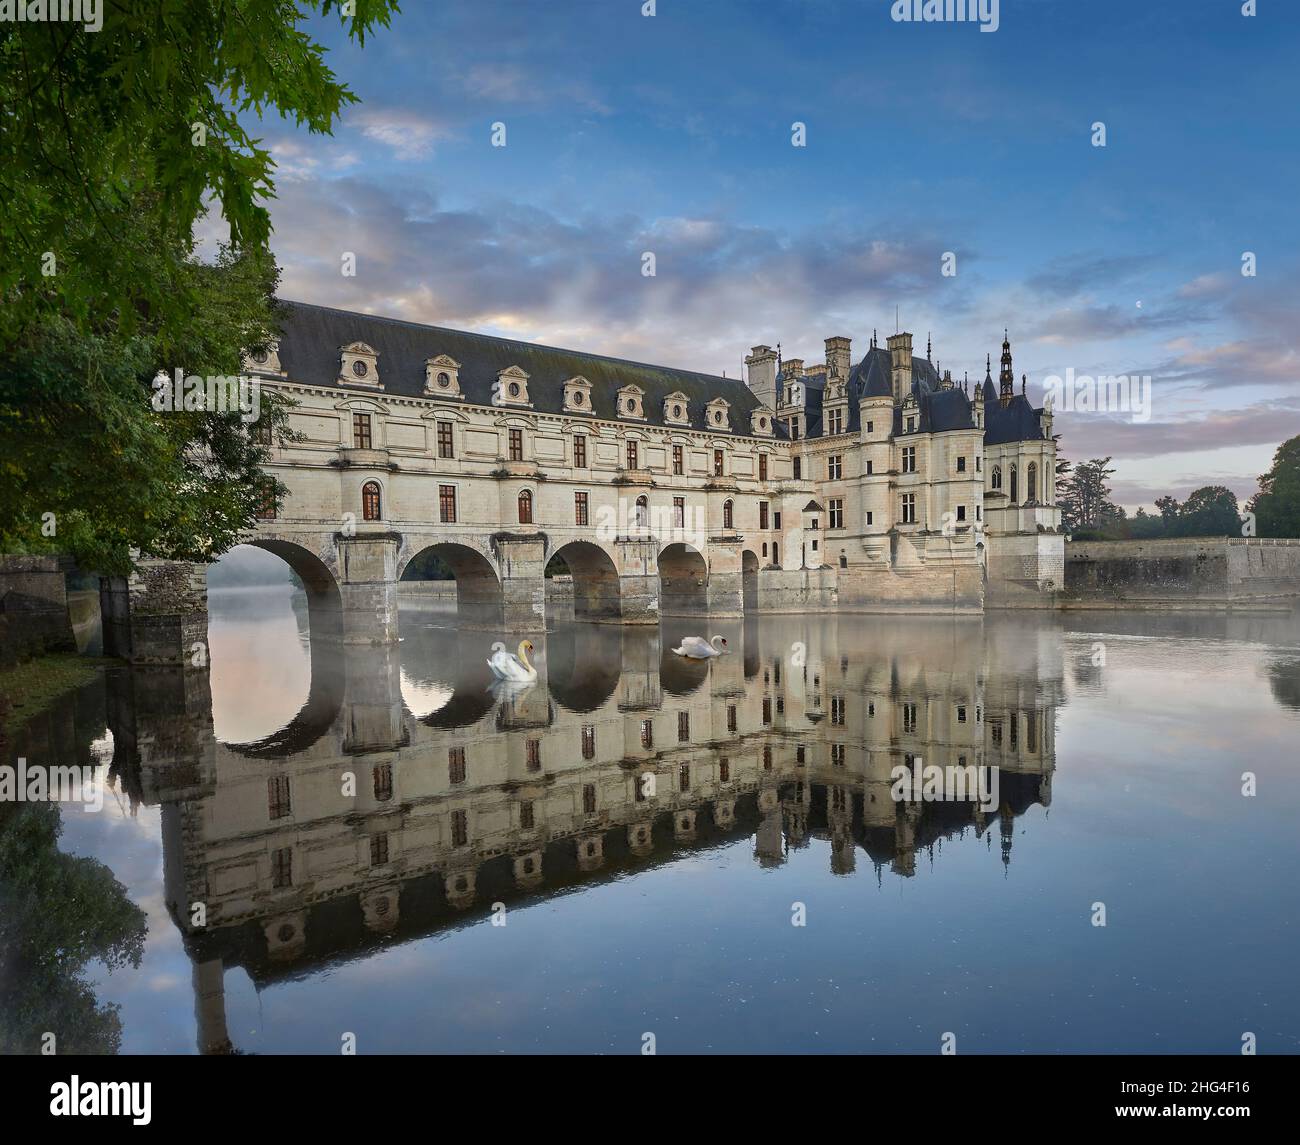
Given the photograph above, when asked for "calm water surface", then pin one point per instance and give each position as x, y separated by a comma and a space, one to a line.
353, 821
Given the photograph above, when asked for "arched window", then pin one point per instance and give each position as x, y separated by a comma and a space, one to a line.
764, 548
526, 508
1031, 483
728, 515
997, 477
370, 505
1015, 486
642, 512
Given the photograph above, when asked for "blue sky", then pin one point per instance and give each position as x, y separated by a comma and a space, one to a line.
672, 134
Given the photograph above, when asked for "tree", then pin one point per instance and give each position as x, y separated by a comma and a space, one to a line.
1086, 496
1210, 511
110, 143
1277, 504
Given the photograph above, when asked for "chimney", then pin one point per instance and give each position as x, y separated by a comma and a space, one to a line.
900, 353
837, 358
760, 374
792, 368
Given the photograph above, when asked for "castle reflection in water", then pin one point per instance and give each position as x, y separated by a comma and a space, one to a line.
406, 796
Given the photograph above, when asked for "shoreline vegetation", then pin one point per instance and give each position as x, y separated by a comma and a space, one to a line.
27, 690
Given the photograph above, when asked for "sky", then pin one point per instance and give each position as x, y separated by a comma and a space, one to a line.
673, 134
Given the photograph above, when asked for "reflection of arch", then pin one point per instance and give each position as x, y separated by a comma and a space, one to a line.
583, 665
749, 580
683, 578
478, 591
595, 581
324, 601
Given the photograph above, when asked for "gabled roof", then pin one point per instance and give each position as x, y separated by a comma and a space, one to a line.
312, 336
1018, 420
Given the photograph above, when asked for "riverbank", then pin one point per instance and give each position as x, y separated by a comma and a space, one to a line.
28, 689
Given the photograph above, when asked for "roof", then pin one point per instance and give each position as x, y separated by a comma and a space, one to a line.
1018, 420
312, 336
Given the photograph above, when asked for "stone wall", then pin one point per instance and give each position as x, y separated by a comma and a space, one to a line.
33, 608
1193, 573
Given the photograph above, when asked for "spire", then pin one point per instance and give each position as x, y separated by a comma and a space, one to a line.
928, 356
988, 367
1007, 376
873, 337
1023, 379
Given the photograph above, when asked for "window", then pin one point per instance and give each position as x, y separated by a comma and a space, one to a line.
516, 445
909, 508
871, 427
1015, 486
282, 867
724, 770
526, 507
834, 467
837, 755
728, 515
718, 465
459, 828
837, 513
909, 459
961, 512
978, 464
995, 732
533, 754
1031, 483
979, 513
909, 718
835, 421
870, 517
588, 741
1013, 722
266, 499
794, 429
911, 424
379, 850
995, 479
677, 460
526, 815
683, 727
642, 512
1031, 731
370, 501
263, 433
800, 756
589, 799
647, 734
456, 764
767, 757
684, 777
580, 451
837, 710
277, 795
731, 717
447, 504
961, 714
762, 514
762, 466
767, 709
776, 553
871, 467
631, 455
798, 468
764, 548
361, 430
961, 465
383, 782
679, 512
580, 508
444, 440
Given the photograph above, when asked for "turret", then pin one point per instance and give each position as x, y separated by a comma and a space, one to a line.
900, 354
1007, 376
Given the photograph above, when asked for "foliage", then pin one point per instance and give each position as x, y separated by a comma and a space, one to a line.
58, 912
1277, 504
1084, 497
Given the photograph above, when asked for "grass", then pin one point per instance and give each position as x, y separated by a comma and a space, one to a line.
31, 688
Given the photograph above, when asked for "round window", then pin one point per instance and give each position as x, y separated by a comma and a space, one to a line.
260, 357
577, 397
762, 423
360, 369
514, 389
631, 405
677, 411
717, 416
444, 380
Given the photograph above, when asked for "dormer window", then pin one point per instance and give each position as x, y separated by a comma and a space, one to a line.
265, 361
442, 377
577, 395
629, 402
677, 409
358, 365
760, 421
511, 388
717, 414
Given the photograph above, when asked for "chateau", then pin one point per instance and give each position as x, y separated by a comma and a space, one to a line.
873, 485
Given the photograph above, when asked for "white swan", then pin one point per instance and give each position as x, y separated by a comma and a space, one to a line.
697, 648
506, 666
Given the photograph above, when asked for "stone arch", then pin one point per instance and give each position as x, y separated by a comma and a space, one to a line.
683, 580
324, 599
749, 580
479, 600
595, 581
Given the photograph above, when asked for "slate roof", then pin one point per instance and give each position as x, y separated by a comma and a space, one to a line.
1018, 420
312, 336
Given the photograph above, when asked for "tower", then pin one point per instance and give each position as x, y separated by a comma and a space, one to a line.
1007, 377
760, 374
900, 355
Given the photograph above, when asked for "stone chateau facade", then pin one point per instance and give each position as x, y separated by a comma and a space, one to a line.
873, 485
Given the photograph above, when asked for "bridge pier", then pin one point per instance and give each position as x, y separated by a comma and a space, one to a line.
158, 615
368, 587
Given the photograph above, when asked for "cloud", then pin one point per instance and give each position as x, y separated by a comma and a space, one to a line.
408, 134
